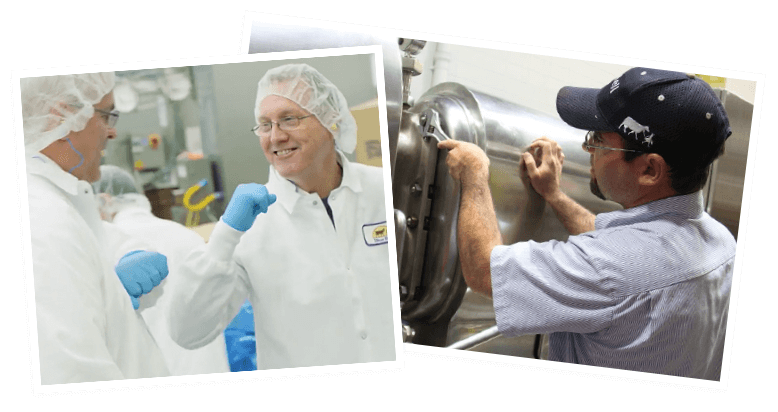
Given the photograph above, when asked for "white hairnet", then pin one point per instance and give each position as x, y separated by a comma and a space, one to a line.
308, 88
54, 106
115, 181
117, 190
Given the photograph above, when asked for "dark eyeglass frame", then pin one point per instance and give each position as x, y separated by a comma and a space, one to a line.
283, 125
112, 117
589, 148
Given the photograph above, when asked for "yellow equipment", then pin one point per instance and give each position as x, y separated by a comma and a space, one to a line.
193, 214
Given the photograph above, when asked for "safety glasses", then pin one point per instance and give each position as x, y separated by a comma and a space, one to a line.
110, 118
596, 137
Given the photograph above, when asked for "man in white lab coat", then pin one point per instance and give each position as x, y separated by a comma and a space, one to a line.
129, 212
316, 266
87, 327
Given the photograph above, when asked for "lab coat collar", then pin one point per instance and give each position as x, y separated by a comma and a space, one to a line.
42, 165
288, 194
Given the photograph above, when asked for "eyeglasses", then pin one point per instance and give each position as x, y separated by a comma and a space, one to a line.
286, 124
596, 137
110, 118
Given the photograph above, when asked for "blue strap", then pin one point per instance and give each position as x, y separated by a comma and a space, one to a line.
329, 210
78, 153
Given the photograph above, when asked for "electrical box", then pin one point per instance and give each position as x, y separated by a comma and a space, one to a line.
148, 152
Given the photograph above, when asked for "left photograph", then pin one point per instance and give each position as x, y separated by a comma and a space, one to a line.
209, 218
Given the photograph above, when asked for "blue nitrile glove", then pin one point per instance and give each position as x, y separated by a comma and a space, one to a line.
241, 351
240, 340
140, 271
248, 201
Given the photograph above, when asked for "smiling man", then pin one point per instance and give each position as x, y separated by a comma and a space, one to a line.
645, 288
315, 265
307, 157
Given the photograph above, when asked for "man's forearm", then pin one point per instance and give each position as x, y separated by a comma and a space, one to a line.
477, 234
573, 216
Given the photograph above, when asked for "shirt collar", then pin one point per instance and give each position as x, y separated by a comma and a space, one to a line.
40, 164
686, 206
288, 194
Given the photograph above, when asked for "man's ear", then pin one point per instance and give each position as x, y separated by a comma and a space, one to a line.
653, 169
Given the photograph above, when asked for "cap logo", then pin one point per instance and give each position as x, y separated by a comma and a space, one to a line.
630, 126
614, 85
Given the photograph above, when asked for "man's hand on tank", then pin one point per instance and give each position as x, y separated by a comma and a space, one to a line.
543, 161
466, 162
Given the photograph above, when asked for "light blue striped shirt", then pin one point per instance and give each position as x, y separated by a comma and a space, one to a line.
648, 290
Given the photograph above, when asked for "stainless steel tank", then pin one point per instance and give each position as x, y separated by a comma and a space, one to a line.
435, 300
724, 194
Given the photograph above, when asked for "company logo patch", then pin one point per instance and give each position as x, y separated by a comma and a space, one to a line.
375, 233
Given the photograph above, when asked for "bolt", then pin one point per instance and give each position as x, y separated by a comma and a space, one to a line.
416, 189
412, 222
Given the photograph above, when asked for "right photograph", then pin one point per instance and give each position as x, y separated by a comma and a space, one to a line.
561, 209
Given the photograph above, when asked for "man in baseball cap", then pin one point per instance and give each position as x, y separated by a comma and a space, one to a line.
645, 288
674, 115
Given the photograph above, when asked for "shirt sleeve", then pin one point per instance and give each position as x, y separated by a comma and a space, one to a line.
549, 287
208, 290
118, 243
69, 302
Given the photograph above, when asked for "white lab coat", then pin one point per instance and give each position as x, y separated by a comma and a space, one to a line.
87, 328
175, 242
320, 296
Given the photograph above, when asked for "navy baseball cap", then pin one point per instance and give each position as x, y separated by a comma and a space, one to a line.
663, 111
